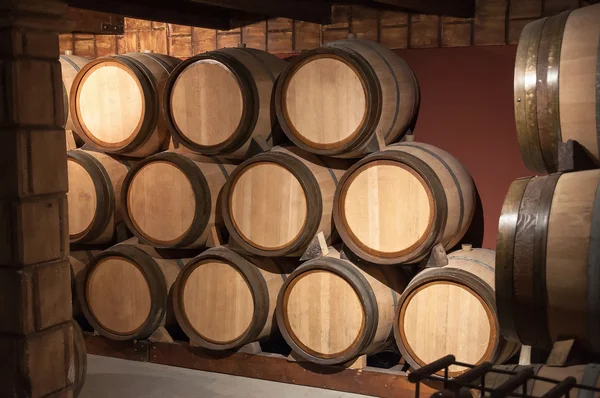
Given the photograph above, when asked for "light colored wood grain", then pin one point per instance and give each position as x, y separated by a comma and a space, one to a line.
567, 250
447, 318
68, 74
268, 205
111, 103
442, 316
207, 102
161, 201
324, 312
577, 78
81, 198
218, 302
118, 295
388, 206
325, 101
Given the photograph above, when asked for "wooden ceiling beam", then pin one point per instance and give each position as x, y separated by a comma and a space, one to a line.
303, 10
452, 8
174, 11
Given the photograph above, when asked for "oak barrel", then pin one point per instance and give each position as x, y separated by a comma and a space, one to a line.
70, 65
95, 181
218, 101
587, 375
170, 199
451, 310
393, 206
116, 103
275, 203
223, 300
346, 98
78, 261
79, 364
548, 260
330, 311
123, 292
557, 86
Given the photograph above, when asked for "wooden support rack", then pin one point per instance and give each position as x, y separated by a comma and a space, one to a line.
378, 382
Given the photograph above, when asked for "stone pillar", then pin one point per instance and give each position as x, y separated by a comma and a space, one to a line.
36, 337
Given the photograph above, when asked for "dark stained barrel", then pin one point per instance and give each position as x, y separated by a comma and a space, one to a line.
548, 260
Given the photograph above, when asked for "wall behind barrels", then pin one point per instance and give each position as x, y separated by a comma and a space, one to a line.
496, 22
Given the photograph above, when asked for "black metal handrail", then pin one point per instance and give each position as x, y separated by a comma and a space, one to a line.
468, 380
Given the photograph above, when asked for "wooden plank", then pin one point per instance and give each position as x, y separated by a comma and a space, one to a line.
455, 8
279, 42
175, 29
159, 25
340, 18
225, 40
305, 10
490, 22
155, 40
394, 37
132, 24
131, 42
130, 350
275, 24
204, 40
307, 35
456, 34
520, 9
121, 45
106, 45
393, 18
180, 46
365, 22
84, 45
255, 35
330, 35
86, 21
65, 42
424, 31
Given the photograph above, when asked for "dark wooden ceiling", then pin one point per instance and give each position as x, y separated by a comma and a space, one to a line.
224, 14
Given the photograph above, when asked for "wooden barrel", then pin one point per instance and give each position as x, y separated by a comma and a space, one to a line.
393, 206
557, 86
548, 260
78, 261
454, 307
346, 98
95, 181
79, 361
70, 65
587, 375
124, 290
275, 203
330, 311
217, 101
223, 300
170, 199
116, 103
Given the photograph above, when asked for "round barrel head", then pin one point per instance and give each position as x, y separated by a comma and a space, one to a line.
442, 318
207, 103
268, 205
110, 103
387, 208
81, 198
118, 295
325, 101
323, 313
217, 302
161, 202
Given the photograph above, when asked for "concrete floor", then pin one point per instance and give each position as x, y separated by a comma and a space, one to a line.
110, 377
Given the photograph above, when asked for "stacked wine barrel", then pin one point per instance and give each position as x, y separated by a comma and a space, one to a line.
548, 268
188, 158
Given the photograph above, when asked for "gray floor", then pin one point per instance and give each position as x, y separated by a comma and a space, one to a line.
109, 377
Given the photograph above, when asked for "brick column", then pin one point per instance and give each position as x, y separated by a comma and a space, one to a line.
36, 337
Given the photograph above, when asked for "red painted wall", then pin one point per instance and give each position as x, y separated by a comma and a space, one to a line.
467, 110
